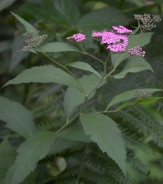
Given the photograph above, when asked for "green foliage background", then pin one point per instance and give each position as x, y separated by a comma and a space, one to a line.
142, 126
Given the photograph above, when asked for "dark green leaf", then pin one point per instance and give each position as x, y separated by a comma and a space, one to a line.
84, 66
5, 3
74, 133
105, 132
73, 98
5, 45
61, 144
18, 118
128, 95
142, 102
57, 47
28, 27
60, 12
134, 64
17, 57
29, 153
44, 74
134, 40
101, 19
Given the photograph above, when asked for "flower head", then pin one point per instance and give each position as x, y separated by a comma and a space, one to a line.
147, 21
96, 34
114, 41
136, 51
34, 40
77, 37
121, 29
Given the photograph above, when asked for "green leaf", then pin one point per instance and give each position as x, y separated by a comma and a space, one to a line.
17, 57
28, 27
60, 12
84, 66
105, 132
31, 178
61, 145
18, 118
142, 102
74, 133
7, 157
127, 95
5, 45
57, 47
158, 1
30, 152
44, 74
134, 64
7, 154
134, 40
73, 98
103, 18
5, 3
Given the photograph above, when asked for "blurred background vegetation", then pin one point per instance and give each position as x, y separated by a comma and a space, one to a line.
60, 19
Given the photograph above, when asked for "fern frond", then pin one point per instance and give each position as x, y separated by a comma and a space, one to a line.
136, 163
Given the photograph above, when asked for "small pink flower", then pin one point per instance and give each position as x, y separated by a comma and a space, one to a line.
136, 51
121, 29
96, 34
77, 37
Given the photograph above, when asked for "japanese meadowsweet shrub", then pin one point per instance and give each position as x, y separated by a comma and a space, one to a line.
120, 43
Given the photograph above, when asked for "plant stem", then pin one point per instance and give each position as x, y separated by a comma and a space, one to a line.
106, 63
67, 71
85, 52
76, 116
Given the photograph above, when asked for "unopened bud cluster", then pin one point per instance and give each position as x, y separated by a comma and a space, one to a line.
33, 40
147, 21
136, 51
140, 95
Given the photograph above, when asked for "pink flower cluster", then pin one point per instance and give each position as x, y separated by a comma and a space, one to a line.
116, 39
77, 37
121, 29
136, 51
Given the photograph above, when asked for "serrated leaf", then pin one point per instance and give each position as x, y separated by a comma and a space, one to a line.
7, 154
57, 47
134, 64
30, 152
134, 40
60, 12
5, 3
84, 66
28, 27
101, 19
142, 102
61, 145
31, 178
127, 95
74, 133
105, 132
44, 74
17, 117
73, 98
